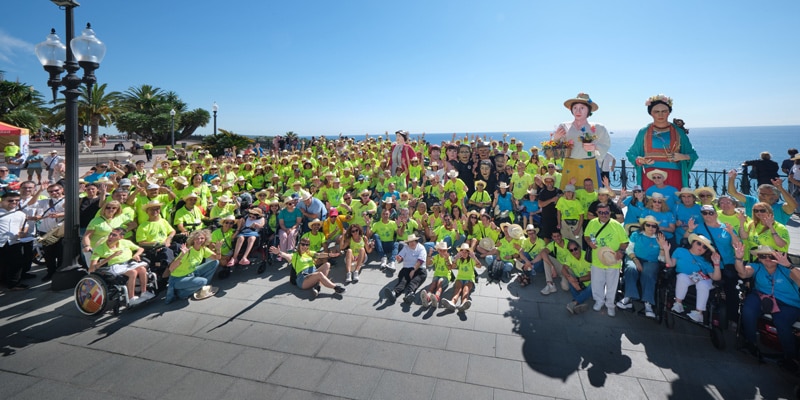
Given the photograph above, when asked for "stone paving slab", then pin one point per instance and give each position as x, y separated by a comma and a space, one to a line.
270, 341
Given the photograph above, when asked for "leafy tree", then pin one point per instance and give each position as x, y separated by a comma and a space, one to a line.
96, 110
145, 110
20, 104
216, 144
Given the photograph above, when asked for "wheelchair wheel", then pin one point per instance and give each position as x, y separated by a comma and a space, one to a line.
718, 338
669, 319
91, 295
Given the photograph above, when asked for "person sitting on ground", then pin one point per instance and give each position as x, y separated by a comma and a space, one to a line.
694, 267
776, 286
308, 276
192, 270
411, 276
578, 273
441, 263
122, 257
532, 253
644, 250
465, 263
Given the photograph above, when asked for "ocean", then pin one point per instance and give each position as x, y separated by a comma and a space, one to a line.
718, 148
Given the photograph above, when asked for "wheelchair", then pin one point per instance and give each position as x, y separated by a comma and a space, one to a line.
766, 332
99, 291
712, 317
662, 280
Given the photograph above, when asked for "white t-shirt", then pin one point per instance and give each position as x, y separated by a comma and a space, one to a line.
411, 256
608, 162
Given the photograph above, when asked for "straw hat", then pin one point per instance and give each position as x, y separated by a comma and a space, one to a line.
706, 189
516, 232
502, 185
607, 256
182, 180
548, 176
480, 183
464, 246
205, 292
581, 98
224, 199
652, 173
604, 190
452, 173
190, 195
650, 219
685, 190
702, 239
315, 221
486, 244
442, 246
530, 227
154, 203
761, 249
504, 225
412, 238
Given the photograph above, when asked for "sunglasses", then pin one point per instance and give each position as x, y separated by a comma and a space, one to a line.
705, 196
658, 177
305, 244
759, 211
603, 212
227, 223
574, 249
765, 257
637, 191
54, 191
701, 245
650, 226
657, 201
112, 208
707, 212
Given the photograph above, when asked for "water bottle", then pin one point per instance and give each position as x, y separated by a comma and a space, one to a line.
593, 239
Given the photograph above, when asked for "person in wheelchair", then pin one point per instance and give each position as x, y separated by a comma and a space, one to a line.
248, 230
642, 265
699, 266
189, 217
225, 235
776, 293
119, 257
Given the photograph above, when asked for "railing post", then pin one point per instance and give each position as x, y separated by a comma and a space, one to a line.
744, 187
724, 183
624, 177
705, 177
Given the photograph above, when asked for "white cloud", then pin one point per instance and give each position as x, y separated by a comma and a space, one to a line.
10, 47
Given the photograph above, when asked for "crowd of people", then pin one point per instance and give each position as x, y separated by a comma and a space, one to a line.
458, 210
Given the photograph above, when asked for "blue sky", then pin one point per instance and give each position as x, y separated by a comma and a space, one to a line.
324, 67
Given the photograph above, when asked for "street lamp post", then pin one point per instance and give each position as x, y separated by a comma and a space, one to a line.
215, 108
82, 52
172, 115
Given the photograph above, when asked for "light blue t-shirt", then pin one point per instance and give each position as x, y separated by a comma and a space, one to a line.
688, 263
646, 248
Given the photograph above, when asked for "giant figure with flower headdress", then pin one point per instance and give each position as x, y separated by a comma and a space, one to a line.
400, 154
662, 145
589, 142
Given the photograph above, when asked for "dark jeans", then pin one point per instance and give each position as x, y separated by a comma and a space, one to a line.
11, 254
783, 320
52, 256
408, 285
148, 154
386, 249
27, 256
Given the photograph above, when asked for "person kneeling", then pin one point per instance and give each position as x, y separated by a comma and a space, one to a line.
117, 256
192, 270
308, 276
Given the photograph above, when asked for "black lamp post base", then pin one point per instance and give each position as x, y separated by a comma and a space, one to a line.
67, 277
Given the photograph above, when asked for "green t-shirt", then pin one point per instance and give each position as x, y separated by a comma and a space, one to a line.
585, 198
301, 262
154, 231
441, 265
521, 184
533, 248
126, 247
101, 227
506, 248
560, 253
579, 266
226, 238
570, 209
613, 236
466, 269
386, 231
315, 241
192, 219
191, 261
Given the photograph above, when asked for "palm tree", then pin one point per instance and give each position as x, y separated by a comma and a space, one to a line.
97, 110
20, 104
144, 98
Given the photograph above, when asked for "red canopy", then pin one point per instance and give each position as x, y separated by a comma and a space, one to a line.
8, 129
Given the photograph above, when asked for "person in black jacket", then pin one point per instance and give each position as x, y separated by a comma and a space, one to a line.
766, 169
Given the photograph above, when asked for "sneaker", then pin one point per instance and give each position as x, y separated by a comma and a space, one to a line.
392, 266
383, 262
339, 289
409, 298
314, 292
625, 303
355, 276
648, 310
581, 308
597, 306
146, 296
465, 305
571, 307
390, 296
564, 284
446, 303
434, 301
612, 311
550, 288
348, 278
424, 299
133, 301
677, 307
696, 316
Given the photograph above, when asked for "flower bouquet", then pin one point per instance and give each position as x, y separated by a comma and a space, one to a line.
588, 137
557, 148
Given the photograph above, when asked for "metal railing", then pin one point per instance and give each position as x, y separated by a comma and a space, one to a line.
625, 176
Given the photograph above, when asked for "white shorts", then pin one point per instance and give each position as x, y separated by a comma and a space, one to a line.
121, 268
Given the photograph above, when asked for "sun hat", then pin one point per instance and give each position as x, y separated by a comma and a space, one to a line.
182, 180
761, 249
125, 182
550, 177
604, 190
707, 189
256, 210
305, 196
569, 188
657, 195
581, 98
607, 256
205, 292
702, 239
650, 219
502, 185
442, 246
486, 244
707, 207
504, 225
655, 172
412, 238
530, 227
480, 183
229, 217
685, 190
315, 221
224, 199
152, 186
516, 232
154, 203
191, 195
452, 173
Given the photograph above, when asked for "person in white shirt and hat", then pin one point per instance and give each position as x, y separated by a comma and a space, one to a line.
412, 258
